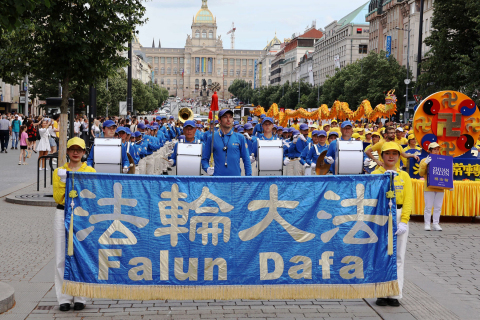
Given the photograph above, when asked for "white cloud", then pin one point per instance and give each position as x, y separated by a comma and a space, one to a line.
256, 21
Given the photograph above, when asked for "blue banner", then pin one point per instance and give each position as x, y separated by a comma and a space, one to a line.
465, 167
388, 46
158, 237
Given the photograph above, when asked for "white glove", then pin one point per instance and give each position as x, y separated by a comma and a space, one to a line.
306, 165
295, 139
366, 163
210, 171
125, 169
173, 124
401, 229
313, 165
247, 136
170, 163
286, 161
329, 160
302, 137
62, 173
428, 160
252, 158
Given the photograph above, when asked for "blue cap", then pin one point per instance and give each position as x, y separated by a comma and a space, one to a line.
136, 134
141, 126
255, 121
346, 123
315, 133
190, 123
240, 129
128, 131
216, 121
172, 117
303, 126
322, 133
247, 126
163, 117
279, 128
267, 119
223, 111
262, 116
295, 132
119, 129
286, 130
275, 126
109, 123
236, 123
335, 133
158, 118
249, 119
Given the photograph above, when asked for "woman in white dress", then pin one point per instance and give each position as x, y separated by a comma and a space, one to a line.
43, 145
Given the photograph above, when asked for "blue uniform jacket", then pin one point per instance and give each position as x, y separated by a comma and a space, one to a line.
295, 149
306, 150
257, 129
237, 148
125, 162
312, 155
132, 150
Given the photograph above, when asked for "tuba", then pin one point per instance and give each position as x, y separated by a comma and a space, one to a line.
185, 114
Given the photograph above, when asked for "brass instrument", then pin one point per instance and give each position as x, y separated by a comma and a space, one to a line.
322, 167
131, 169
185, 114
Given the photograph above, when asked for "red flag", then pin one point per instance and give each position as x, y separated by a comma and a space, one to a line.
210, 115
214, 105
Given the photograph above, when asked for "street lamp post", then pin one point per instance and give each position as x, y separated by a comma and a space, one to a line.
407, 80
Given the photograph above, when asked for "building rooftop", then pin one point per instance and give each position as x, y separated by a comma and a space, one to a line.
204, 15
355, 17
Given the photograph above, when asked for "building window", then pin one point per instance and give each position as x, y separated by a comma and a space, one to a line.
197, 34
162, 60
204, 34
156, 59
225, 72
188, 70
209, 82
232, 62
238, 72
225, 83
149, 59
250, 73
174, 82
188, 60
162, 81
181, 70
210, 34
168, 82
169, 60
250, 62
225, 61
362, 49
231, 72
175, 60
231, 82
181, 82
219, 72
174, 70
181, 60
169, 71
238, 62
162, 71
156, 70
244, 62
244, 73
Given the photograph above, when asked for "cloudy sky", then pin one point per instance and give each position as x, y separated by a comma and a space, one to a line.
256, 20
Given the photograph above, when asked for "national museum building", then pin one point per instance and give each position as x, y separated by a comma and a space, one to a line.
181, 70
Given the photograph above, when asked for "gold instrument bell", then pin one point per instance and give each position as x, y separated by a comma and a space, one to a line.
185, 114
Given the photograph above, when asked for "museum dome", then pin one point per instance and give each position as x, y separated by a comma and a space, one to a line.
204, 15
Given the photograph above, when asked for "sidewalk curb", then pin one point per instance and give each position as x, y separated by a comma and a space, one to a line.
37, 200
18, 187
7, 297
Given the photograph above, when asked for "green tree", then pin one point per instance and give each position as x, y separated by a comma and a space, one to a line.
454, 57
75, 41
13, 12
369, 78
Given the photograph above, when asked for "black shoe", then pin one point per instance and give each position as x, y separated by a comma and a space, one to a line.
16, 148
382, 302
65, 307
11, 148
6, 151
393, 302
78, 306
34, 151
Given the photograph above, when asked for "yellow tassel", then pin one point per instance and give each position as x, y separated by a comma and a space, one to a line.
390, 234
317, 291
70, 237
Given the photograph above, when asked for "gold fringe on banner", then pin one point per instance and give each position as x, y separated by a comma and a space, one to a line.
251, 292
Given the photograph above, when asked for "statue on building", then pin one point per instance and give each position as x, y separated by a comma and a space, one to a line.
189, 40
219, 41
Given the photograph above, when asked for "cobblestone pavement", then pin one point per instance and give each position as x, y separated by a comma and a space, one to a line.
442, 280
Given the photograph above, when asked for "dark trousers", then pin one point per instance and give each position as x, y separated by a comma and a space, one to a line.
4, 137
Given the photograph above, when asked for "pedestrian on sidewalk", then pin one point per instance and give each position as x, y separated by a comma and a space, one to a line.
16, 123
23, 145
43, 146
32, 137
404, 198
433, 196
75, 152
5, 132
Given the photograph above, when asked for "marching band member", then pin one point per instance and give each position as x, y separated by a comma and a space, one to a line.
141, 151
109, 128
299, 143
75, 152
148, 149
404, 199
198, 132
347, 132
267, 128
258, 127
332, 136
433, 196
319, 145
228, 148
189, 130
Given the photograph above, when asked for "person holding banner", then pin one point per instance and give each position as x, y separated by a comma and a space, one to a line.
75, 152
404, 199
433, 196
228, 148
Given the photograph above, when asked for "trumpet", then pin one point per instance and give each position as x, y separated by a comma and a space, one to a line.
185, 114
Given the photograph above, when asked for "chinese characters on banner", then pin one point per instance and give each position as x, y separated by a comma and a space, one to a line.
155, 237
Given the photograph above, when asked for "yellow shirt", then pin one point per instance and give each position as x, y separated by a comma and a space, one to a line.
296, 126
55, 125
423, 172
403, 192
402, 141
404, 160
59, 186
